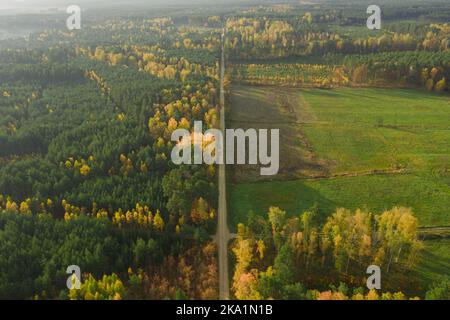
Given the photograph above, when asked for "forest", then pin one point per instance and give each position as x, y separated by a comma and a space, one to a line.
85, 169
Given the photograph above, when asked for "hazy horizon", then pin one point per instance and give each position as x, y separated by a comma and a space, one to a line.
42, 5
45, 4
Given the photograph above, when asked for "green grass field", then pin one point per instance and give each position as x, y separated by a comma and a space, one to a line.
429, 197
351, 148
434, 262
432, 267
363, 129
345, 136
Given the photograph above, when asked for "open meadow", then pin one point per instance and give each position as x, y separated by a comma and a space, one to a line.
352, 148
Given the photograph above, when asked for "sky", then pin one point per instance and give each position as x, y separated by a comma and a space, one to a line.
18, 4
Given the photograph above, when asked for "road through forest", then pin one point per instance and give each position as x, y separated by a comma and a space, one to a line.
223, 233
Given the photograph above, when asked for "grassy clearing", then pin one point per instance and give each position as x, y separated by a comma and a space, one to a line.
428, 197
328, 133
432, 266
363, 129
354, 32
434, 262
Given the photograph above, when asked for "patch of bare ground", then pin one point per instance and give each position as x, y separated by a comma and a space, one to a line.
289, 112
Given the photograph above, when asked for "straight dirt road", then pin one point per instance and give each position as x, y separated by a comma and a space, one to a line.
223, 233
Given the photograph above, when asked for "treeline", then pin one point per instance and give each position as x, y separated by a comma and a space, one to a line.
424, 69
256, 38
279, 256
427, 69
294, 74
157, 62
